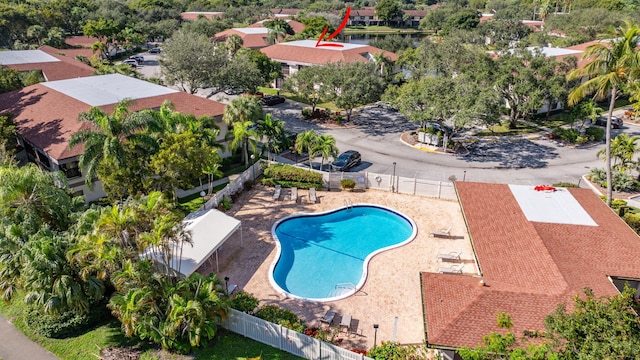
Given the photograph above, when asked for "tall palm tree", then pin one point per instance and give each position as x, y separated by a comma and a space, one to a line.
305, 141
384, 65
233, 44
241, 115
273, 130
325, 145
623, 150
609, 71
104, 139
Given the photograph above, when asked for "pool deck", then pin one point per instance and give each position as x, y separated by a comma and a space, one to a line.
392, 288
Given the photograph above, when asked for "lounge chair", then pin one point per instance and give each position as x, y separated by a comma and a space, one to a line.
312, 195
276, 193
353, 327
294, 194
345, 323
453, 255
453, 269
231, 288
441, 232
328, 317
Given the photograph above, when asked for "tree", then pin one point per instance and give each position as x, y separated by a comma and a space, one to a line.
189, 59
608, 73
623, 150
504, 33
269, 69
233, 43
8, 134
384, 65
325, 145
104, 140
9, 80
394, 43
308, 84
313, 27
241, 115
388, 10
105, 30
273, 130
305, 141
352, 85
279, 29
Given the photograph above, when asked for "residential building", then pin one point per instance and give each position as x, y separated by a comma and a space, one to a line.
533, 250
51, 62
46, 115
252, 37
294, 55
367, 17
194, 15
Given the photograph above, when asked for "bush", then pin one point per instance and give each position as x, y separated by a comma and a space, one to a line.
307, 113
278, 315
567, 135
67, 323
633, 220
594, 133
245, 302
389, 350
347, 184
288, 176
621, 180
565, 185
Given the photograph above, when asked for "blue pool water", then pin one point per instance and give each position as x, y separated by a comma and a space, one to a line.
321, 253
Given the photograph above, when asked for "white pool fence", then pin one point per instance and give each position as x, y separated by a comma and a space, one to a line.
285, 339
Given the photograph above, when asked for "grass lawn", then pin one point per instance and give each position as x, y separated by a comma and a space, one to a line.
327, 105
226, 346
503, 130
554, 121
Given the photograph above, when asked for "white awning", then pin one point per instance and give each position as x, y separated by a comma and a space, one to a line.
209, 230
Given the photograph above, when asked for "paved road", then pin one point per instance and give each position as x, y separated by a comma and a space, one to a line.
529, 162
16, 346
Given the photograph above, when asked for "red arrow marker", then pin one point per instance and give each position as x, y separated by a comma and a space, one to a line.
342, 25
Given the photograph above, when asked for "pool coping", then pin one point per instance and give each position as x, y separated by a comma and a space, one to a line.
365, 264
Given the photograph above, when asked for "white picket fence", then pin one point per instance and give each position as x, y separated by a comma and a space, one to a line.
234, 186
398, 184
285, 339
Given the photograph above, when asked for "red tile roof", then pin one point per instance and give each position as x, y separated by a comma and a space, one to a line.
297, 26
47, 118
66, 68
252, 41
290, 53
81, 41
529, 267
193, 15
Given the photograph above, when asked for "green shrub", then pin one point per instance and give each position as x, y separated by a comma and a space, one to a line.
67, 323
287, 176
594, 133
278, 315
245, 302
567, 135
347, 184
307, 113
565, 185
388, 350
621, 180
633, 220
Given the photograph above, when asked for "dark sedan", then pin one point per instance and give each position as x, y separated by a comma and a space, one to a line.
273, 100
347, 160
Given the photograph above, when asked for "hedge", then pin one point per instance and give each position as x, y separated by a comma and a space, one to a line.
291, 176
67, 323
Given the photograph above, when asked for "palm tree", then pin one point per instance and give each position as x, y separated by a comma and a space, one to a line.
384, 65
623, 149
241, 115
611, 65
305, 141
233, 44
104, 140
273, 130
325, 145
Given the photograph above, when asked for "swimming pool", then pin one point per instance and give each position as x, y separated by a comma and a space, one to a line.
324, 256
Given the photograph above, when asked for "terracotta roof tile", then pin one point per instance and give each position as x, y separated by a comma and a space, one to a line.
82, 41
193, 15
48, 118
253, 41
288, 52
529, 267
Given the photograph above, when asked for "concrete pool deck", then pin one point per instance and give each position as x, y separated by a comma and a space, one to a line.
392, 288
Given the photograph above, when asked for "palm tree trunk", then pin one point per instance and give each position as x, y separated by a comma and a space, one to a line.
614, 90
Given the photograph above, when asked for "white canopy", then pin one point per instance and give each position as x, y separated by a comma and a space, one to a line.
209, 230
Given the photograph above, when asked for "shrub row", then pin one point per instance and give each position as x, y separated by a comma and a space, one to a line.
289, 176
573, 135
67, 323
246, 303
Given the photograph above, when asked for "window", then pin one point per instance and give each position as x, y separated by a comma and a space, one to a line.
71, 170
285, 68
43, 160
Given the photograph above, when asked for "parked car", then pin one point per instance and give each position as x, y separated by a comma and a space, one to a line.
131, 62
138, 58
616, 122
273, 100
230, 90
347, 160
155, 50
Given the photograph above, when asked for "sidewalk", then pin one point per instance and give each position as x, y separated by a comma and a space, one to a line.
16, 346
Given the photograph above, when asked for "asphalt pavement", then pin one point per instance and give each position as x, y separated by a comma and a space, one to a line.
16, 346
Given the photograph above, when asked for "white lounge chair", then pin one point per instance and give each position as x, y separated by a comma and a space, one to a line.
345, 323
453, 269
441, 232
312, 195
453, 255
294, 194
276, 193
